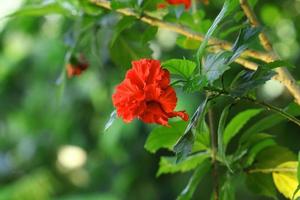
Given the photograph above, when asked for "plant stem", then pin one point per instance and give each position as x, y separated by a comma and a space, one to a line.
284, 76
271, 170
268, 106
214, 154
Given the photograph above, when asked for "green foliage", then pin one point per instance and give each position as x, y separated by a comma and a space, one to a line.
215, 65
237, 123
298, 167
124, 23
198, 174
44, 9
124, 50
269, 157
227, 190
184, 68
256, 144
169, 164
221, 127
248, 81
164, 137
34, 126
185, 143
261, 184
37, 185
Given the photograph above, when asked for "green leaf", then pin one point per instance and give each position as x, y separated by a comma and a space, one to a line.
195, 83
165, 137
298, 172
111, 120
149, 34
268, 122
261, 184
245, 37
250, 80
227, 191
215, 65
187, 43
169, 164
181, 67
198, 174
227, 8
237, 123
90, 8
185, 143
285, 179
202, 138
41, 10
221, 126
124, 23
125, 50
272, 156
278, 63
256, 148
117, 4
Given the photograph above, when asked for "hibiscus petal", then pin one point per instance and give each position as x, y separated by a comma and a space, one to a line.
182, 114
168, 99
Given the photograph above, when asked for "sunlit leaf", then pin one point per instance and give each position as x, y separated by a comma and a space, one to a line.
182, 67
285, 179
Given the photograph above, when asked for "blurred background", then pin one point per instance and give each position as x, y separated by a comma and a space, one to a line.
52, 143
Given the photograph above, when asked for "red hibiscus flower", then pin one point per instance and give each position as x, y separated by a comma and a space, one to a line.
77, 65
146, 94
187, 3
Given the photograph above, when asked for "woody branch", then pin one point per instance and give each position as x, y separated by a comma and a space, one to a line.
283, 74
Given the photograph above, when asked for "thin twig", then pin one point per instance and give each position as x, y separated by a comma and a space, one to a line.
283, 75
254, 101
271, 170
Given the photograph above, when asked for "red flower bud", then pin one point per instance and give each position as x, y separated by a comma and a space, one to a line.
187, 3
77, 65
146, 94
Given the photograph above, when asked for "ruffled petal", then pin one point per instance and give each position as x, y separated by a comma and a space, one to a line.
146, 94
168, 99
154, 114
182, 114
